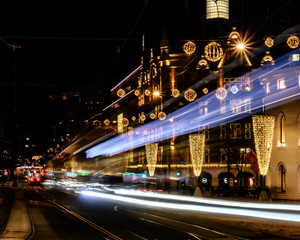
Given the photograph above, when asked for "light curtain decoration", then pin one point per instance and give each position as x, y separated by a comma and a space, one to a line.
151, 154
263, 128
197, 148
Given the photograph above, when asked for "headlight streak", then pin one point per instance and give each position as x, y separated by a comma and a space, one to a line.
187, 119
269, 206
197, 208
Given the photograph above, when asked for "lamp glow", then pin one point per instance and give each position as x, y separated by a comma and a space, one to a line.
151, 154
197, 143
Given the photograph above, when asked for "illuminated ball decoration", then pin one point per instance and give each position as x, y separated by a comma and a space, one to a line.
96, 123
234, 89
205, 90
162, 115
137, 92
221, 93
143, 117
293, 41
263, 129
197, 148
121, 92
213, 51
190, 95
133, 118
106, 122
151, 155
147, 92
152, 115
269, 42
125, 122
189, 47
175, 93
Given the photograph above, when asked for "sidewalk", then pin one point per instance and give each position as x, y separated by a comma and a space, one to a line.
19, 224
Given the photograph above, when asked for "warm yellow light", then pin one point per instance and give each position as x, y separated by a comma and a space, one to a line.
190, 95
241, 46
106, 122
121, 92
263, 128
176, 92
197, 144
156, 93
151, 155
162, 115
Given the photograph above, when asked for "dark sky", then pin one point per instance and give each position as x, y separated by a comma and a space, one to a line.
81, 46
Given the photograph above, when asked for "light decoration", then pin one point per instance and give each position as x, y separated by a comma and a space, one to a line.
221, 93
125, 122
121, 92
147, 92
293, 41
202, 62
96, 123
269, 42
213, 51
189, 47
234, 89
106, 122
263, 128
162, 115
175, 93
205, 90
267, 58
142, 117
120, 123
190, 95
151, 155
133, 118
137, 92
152, 115
205, 165
197, 144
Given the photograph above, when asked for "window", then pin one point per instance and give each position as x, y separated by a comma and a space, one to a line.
217, 9
281, 83
223, 155
282, 178
235, 105
281, 130
235, 131
206, 155
223, 106
248, 105
222, 131
268, 87
247, 130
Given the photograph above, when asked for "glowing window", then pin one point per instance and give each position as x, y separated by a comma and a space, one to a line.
248, 105
235, 105
295, 57
281, 130
247, 130
281, 83
222, 131
217, 9
235, 131
206, 155
268, 88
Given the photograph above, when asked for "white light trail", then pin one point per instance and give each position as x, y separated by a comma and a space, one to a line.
196, 208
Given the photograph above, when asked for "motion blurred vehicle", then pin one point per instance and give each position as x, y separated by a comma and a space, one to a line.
34, 177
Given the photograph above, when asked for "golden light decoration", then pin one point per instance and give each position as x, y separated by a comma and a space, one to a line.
137, 92
190, 95
152, 115
96, 123
221, 93
86, 121
205, 90
133, 118
269, 42
213, 51
120, 123
121, 92
263, 129
267, 58
197, 150
189, 47
175, 93
162, 115
151, 155
293, 41
125, 122
143, 117
106, 122
147, 92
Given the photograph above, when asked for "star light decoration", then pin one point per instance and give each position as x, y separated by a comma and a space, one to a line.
263, 128
190, 95
189, 47
213, 51
151, 155
121, 92
197, 148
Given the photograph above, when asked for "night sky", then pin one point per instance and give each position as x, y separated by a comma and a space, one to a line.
81, 46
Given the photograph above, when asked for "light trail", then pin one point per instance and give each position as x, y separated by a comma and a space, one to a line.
188, 119
197, 208
269, 206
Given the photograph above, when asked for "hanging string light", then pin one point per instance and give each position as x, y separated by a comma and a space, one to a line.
213, 51
151, 155
125, 122
263, 128
175, 93
197, 148
293, 41
162, 115
189, 47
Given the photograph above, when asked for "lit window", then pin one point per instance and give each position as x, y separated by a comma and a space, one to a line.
281, 130
222, 131
223, 106
247, 130
217, 9
281, 83
206, 155
235, 130
248, 105
235, 105
268, 88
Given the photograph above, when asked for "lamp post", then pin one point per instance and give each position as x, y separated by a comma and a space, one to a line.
263, 129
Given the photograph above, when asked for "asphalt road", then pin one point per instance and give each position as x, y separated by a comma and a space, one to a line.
67, 215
